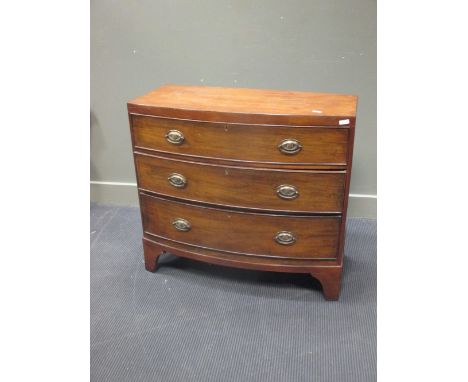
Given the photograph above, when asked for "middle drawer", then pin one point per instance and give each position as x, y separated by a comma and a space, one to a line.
254, 188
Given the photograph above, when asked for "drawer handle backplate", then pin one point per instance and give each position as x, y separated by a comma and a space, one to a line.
286, 191
175, 137
285, 238
177, 180
181, 225
290, 146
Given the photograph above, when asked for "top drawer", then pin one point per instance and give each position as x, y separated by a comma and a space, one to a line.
240, 142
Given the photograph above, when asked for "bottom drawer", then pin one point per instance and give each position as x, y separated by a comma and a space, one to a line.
302, 237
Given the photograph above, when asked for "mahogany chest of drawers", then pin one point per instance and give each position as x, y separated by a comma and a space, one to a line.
247, 178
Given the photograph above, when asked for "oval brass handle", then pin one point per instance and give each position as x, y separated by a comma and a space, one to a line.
181, 225
286, 191
175, 137
285, 238
177, 180
290, 146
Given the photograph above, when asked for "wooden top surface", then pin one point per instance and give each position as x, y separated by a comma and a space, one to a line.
238, 105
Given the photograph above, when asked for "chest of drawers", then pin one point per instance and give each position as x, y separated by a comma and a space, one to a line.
248, 178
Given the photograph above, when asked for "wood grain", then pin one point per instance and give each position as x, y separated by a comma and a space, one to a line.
346, 199
230, 162
255, 188
290, 264
246, 105
320, 145
245, 233
232, 165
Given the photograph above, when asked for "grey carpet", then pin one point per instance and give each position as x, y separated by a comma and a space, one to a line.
192, 321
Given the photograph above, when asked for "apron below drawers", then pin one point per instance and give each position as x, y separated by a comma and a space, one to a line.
246, 233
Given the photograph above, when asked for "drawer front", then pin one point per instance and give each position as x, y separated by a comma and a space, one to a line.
243, 233
258, 143
279, 190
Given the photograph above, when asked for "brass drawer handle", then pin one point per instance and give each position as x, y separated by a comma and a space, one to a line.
175, 137
181, 225
285, 238
286, 191
177, 180
290, 146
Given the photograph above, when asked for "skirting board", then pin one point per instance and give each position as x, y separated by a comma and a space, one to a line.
125, 194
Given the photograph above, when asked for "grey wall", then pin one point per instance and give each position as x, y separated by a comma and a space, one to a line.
311, 45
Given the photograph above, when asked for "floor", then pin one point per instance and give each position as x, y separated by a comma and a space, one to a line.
192, 321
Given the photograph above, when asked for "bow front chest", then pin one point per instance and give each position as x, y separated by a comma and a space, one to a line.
246, 178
